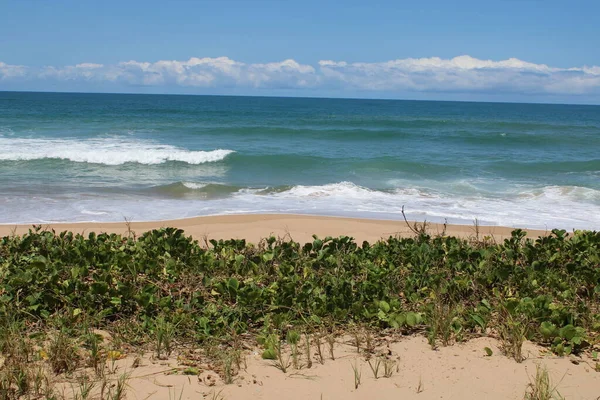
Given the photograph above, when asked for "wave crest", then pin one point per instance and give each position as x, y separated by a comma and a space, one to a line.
107, 151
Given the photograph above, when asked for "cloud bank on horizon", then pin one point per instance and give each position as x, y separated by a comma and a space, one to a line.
459, 74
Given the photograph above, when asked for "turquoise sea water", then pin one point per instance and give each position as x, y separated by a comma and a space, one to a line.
106, 157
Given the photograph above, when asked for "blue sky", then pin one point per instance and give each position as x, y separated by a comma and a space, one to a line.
390, 49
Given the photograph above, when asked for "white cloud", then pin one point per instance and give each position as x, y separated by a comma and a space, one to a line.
86, 71
592, 70
458, 74
463, 73
89, 66
8, 71
329, 63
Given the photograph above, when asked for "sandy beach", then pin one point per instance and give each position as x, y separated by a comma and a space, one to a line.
254, 227
461, 371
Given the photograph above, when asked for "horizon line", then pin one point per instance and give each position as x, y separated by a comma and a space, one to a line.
297, 97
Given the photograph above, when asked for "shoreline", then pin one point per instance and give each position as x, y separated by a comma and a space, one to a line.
254, 227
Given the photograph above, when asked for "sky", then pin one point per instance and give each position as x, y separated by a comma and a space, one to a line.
485, 50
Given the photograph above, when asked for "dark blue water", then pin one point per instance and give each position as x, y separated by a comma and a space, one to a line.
105, 157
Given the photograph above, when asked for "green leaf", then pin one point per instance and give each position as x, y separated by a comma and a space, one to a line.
317, 244
398, 320
568, 349
548, 330
233, 284
413, 319
116, 301
559, 349
99, 287
269, 354
293, 337
384, 306
568, 332
239, 259
39, 262
191, 371
480, 321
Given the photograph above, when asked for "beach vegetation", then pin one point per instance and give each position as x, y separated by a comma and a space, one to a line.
331, 345
375, 364
357, 374
319, 346
420, 386
513, 331
389, 366
307, 352
281, 362
164, 290
541, 387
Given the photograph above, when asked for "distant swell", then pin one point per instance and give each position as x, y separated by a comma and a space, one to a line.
107, 151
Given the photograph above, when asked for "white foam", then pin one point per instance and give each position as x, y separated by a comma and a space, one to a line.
558, 193
343, 189
107, 151
90, 212
567, 207
193, 185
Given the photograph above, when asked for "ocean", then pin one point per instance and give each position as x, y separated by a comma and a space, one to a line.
68, 157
